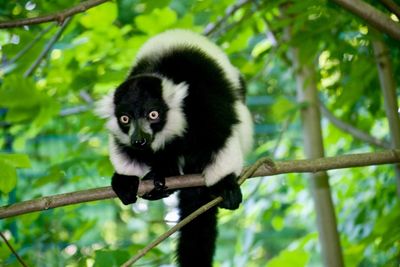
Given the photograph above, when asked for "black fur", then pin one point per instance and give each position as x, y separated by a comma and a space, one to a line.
209, 105
210, 114
125, 187
197, 239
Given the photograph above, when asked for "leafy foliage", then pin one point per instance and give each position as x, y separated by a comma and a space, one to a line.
47, 117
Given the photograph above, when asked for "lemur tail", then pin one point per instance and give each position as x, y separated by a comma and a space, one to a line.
197, 239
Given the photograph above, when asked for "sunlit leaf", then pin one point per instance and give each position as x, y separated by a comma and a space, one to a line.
16, 160
296, 258
106, 258
100, 17
157, 21
8, 176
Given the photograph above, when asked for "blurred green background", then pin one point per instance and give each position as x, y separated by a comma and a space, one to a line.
52, 143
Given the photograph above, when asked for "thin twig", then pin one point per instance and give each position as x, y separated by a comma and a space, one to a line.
60, 17
247, 174
249, 13
30, 45
211, 27
47, 48
275, 149
74, 110
192, 180
348, 128
172, 230
21, 261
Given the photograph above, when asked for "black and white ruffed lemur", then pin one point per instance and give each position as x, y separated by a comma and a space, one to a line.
180, 111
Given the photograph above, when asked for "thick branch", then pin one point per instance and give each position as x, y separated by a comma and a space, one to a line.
392, 7
59, 16
281, 167
372, 15
388, 87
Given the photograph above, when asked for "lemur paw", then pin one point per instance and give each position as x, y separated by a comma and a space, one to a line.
229, 190
125, 187
160, 190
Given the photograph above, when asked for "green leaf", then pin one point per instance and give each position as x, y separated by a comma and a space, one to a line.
15, 115
281, 107
16, 92
107, 258
16, 160
157, 21
296, 258
8, 176
278, 223
100, 17
156, 4
261, 48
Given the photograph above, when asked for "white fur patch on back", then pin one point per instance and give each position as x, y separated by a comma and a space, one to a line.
245, 128
168, 40
123, 164
173, 95
230, 158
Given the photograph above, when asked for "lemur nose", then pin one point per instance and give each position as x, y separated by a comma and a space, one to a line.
140, 142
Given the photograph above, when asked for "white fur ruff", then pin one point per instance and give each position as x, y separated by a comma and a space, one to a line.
104, 108
124, 165
173, 95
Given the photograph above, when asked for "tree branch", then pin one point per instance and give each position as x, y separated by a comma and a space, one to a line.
348, 128
247, 174
30, 45
172, 230
388, 87
392, 7
13, 251
59, 16
211, 27
281, 167
47, 48
372, 15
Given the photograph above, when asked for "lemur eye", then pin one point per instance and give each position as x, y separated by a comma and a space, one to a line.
153, 115
124, 119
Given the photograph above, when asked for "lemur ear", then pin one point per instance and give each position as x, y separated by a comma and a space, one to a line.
174, 94
104, 108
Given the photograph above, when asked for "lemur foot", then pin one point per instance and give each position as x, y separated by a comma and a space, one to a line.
229, 190
160, 190
125, 187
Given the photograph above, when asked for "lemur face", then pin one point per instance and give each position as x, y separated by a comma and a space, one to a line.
145, 112
140, 110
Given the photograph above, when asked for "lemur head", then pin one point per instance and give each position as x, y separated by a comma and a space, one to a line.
145, 111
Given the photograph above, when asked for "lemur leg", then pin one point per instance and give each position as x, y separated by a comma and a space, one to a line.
229, 190
126, 187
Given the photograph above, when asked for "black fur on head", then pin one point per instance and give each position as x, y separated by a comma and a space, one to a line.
140, 109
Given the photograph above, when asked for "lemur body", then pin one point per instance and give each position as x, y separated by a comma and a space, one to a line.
180, 111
